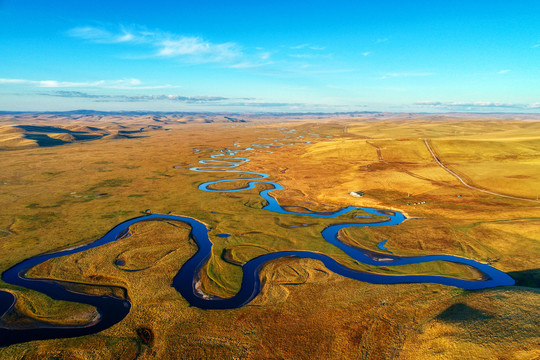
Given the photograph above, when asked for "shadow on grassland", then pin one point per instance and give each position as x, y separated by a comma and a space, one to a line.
45, 140
528, 278
462, 312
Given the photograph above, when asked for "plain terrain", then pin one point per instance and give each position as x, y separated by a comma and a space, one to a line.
68, 179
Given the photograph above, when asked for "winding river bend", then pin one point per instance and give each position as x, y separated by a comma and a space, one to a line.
112, 309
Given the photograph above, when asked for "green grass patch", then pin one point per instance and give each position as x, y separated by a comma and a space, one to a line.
111, 183
37, 206
33, 222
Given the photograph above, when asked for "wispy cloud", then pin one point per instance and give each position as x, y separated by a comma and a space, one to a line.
377, 42
310, 56
268, 104
198, 49
501, 72
406, 74
307, 70
213, 101
134, 98
306, 52
477, 105
105, 84
307, 46
92, 33
249, 64
155, 44
265, 55
535, 45
162, 44
296, 47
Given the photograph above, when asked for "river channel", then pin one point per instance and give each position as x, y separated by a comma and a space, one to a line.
112, 309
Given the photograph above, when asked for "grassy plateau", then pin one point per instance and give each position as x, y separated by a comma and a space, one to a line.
67, 180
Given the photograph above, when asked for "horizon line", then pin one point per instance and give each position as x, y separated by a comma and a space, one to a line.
97, 112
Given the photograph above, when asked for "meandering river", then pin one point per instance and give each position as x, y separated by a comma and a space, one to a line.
112, 309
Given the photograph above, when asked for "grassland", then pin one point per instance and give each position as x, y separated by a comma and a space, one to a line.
60, 196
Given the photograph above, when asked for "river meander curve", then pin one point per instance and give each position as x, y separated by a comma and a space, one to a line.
112, 309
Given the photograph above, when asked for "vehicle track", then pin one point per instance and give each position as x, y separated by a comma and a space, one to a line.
426, 141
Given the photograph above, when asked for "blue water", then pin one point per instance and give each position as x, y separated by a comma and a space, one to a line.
113, 309
223, 235
382, 247
226, 159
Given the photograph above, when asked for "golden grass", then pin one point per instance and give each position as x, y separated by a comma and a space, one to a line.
509, 166
61, 196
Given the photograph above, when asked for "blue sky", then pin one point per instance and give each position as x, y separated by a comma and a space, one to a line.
301, 56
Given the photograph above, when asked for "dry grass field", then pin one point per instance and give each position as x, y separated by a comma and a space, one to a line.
68, 179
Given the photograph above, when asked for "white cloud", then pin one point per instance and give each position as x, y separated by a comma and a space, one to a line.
381, 40
126, 37
302, 56
135, 98
12, 81
366, 53
312, 56
91, 33
188, 48
248, 64
477, 105
212, 101
105, 84
265, 55
50, 83
307, 46
328, 71
535, 46
406, 74
428, 103
506, 71
196, 47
